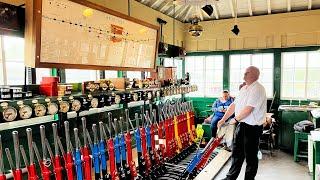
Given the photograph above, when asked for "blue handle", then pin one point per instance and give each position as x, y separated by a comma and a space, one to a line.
138, 140
117, 149
78, 162
194, 162
123, 149
102, 151
95, 155
148, 137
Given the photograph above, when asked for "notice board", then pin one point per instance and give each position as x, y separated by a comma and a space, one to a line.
80, 34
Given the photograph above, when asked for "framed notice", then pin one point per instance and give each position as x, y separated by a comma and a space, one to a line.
80, 34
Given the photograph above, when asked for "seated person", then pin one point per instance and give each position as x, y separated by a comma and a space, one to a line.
219, 107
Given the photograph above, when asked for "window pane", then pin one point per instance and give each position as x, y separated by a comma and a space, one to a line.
14, 48
299, 90
168, 62
206, 72
14, 58
79, 75
300, 74
287, 90
263, 61
134, 74
15, 73
314, 58
110, 74
42, 72
313, 90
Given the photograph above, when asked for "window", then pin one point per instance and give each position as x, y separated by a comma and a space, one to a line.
134, 74
79, 75
300, 75
42, 72
13, 65
207, 73
238, 65
111, 74
171, 62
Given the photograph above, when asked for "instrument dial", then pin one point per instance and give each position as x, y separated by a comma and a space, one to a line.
104, 86
75, 105
149, 95
117, 99
25, 112
40, 110
9, 113
94, 102
52, 108
135, 97
64, 106
111, 86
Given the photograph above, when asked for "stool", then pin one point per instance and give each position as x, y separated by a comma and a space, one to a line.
299, 137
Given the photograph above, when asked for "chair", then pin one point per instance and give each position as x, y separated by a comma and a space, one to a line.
267, 140
299, 137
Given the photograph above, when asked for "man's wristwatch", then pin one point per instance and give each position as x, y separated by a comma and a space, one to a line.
235, 119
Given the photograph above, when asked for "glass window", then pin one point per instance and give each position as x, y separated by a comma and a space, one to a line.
134, 74
111, 74
238, 65
207, 73
300, 79
79, 75
14, 60
42, 72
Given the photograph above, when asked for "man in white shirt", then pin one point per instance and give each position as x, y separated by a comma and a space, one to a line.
250, 107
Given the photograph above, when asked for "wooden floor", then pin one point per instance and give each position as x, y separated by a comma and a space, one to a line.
280, 166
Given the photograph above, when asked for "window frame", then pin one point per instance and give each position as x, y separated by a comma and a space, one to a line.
250, 54
305, 81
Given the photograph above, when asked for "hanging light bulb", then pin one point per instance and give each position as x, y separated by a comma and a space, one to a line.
195, 29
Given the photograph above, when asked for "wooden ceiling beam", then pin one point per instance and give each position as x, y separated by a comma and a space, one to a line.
186, 16
231, 4
164, 6
289, 5
250, 7
216, 10
155, 3
309, 4
269, 6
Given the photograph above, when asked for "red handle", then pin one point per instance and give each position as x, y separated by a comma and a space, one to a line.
45, 172
133, 170
17, 174
69, 166
113, 170
58, 168
2, 177
87, 163
207, 154
32, 172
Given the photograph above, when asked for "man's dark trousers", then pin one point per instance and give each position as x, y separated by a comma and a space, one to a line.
245, 146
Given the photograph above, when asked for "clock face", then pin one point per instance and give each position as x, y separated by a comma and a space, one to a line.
111, 86
52, 108
76, 105
40, 110
94, 102
25, 112
9, 114
149, 95
64, 106
117, 99
135, 97
104, 86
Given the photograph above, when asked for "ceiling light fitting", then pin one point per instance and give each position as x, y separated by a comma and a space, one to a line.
195, 29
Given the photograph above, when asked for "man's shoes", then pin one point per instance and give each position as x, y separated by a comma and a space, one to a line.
226, 178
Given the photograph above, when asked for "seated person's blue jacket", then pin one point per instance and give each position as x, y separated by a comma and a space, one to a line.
218, 106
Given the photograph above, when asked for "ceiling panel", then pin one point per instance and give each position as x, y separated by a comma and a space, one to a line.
315, 4
14, 2
299, 5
